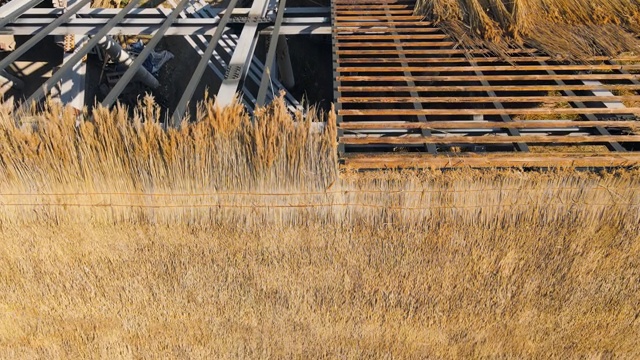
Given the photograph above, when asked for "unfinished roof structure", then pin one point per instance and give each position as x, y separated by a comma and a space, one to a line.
410, 89
411, 94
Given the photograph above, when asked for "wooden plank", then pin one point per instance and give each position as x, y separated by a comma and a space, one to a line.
510, 88
449, 125
365, 8
405, 44
393, 37
487, 139
417, 20
499, 160
485, 99
449, 59
374, 24
522, 77
425, 51
431, 148
372, 2
374, 12
527, 111
614, 146
354, 30
480, 67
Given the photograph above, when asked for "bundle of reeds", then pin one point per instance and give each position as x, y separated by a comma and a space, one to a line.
227, 238
571, 29
225, 168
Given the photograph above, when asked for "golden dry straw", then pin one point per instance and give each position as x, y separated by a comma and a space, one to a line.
512, 290
227, 238
568, 29
226, 168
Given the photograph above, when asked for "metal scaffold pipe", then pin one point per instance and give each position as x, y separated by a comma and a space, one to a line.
7, 81
117, 53
284, 63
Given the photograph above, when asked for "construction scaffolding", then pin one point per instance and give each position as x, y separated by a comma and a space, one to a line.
405, 93
225, 38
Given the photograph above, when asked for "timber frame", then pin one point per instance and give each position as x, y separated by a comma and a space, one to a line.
408, 96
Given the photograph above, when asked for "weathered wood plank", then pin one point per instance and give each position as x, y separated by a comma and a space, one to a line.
487, 139
526, 111
422, 51
358, 30
510, 88
449, 59
382, 18
369, 45
367, 24
448, 125
507, 68
393, 37
339, 7
500, 160
484, 99
522, 77
374, 12
373, 3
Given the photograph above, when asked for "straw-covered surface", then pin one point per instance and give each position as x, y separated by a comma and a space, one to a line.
231, 238
226, 168
512, 290
571, 29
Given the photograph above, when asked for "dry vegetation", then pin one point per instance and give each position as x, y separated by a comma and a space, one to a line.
231, 238
129, 291
572, 29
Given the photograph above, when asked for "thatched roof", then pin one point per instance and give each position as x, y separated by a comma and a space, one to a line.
572, 29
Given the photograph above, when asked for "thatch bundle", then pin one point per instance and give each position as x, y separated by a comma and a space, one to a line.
227, 169
233, 238
571, 29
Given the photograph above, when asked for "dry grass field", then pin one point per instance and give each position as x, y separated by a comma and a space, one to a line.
228, 238
564, 290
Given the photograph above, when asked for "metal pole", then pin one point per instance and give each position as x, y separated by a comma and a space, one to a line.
237, 67
284, 63
77, 56
40, 35
133, 69
197, 74
72, 86
149, 26
271, 55
14, 15
117, 53
7, 81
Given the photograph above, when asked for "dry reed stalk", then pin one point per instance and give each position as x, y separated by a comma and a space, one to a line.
227, 238
572, 30
511, 290
227, 169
